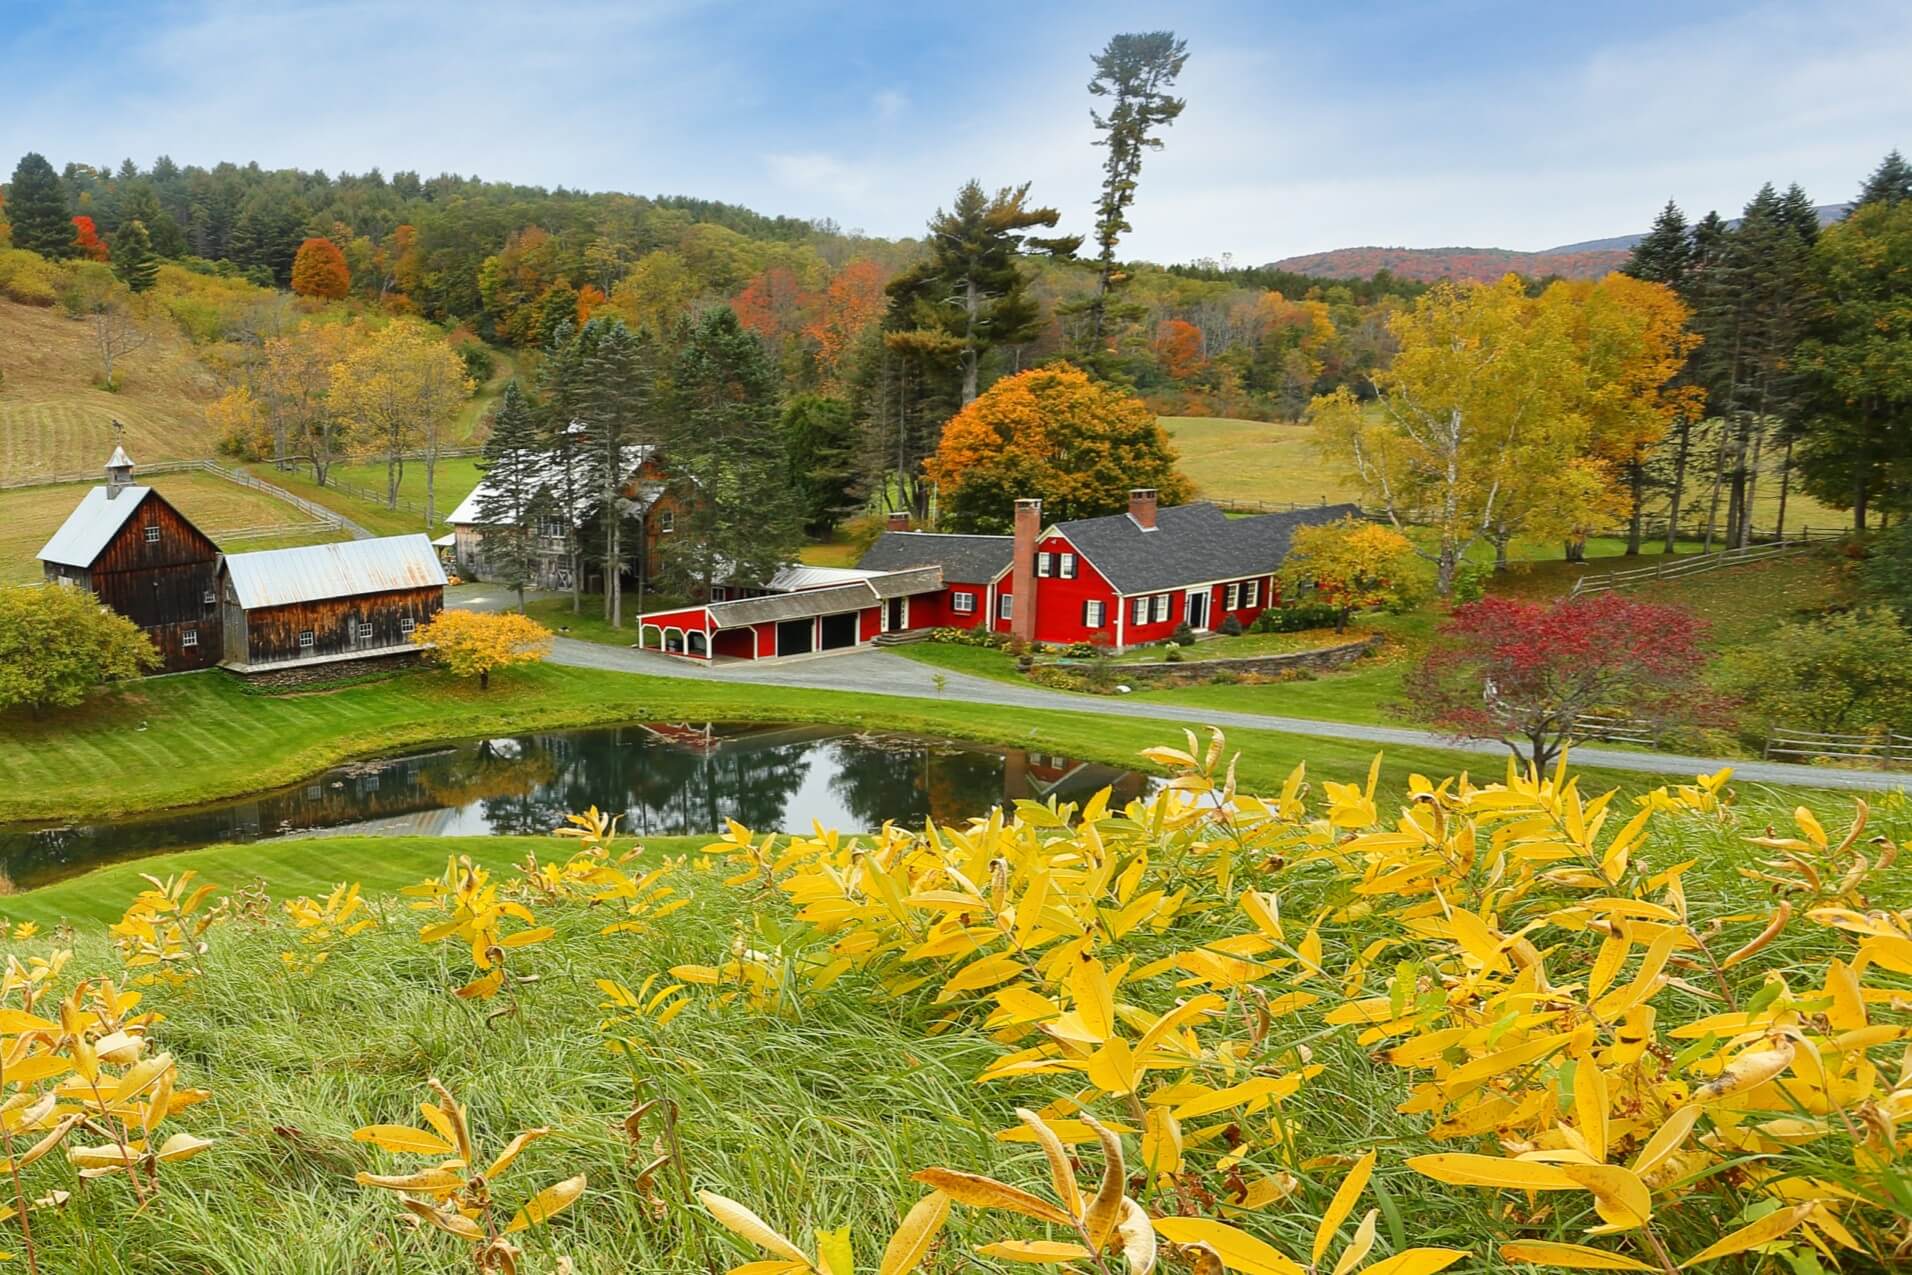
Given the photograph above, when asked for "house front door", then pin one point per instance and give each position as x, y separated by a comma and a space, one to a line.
1197, 608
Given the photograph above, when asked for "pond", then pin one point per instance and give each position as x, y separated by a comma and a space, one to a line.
661, 779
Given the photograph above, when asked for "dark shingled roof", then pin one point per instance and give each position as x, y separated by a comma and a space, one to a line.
1191, 544
964, 559
791, 606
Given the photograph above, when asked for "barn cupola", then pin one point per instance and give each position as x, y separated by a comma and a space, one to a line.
119, 472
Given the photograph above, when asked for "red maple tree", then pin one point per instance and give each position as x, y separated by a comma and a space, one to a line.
319, 270
1178, 346
86, 238
1524, 673
852, 302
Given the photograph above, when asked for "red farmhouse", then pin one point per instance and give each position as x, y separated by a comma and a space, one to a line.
1124, 580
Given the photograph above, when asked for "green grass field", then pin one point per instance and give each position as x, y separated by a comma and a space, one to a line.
29, 515
53, 420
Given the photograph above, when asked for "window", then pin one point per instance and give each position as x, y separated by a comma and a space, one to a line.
1141, 615
211, 599
189, 637
1005, 603
1067, 566
305, 640
1251, 594
666, 522
1161, 607
152, 533
551, 528
1094, 614
406, 624
364, 632
962, 603
1045, 563
1231, 598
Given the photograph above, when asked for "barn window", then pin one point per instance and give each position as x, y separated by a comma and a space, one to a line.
1093, 614
962, 603
364, 631
406, 624
305, 640
211, 599
189, 637
1066, 566
152, 533
666, 521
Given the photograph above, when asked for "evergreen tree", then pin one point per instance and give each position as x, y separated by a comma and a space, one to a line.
1890, 183
561, 387
819, 440
1666, 254
618, 370
1135, 71
723, 443
133, 258
36, 205
508, 503
968, 296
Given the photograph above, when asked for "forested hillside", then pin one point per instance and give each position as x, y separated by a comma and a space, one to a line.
1428, 265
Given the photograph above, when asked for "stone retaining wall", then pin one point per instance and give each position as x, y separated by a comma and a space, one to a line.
288, 679
1195, 670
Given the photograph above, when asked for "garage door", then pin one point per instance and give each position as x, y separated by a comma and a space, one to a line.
794, 637
839, 631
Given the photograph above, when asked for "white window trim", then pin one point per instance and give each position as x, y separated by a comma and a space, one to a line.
406, 624
666, 522
189, 637
363, 630
1160, 609
152, 533
1251, 594
962, 602
1231, 598
1141, 610
1094, 614
1005, 606
307, 639
1066, 566
1045, 564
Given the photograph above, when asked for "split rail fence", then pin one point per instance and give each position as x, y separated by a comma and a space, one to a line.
1690, 564
1888, 750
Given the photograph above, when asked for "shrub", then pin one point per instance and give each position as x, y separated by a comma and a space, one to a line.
58, 643
1231, 627
1470, 583
1080, 650
1295, 617
28, 278
1183, 635
1841, 673
479, 362
1173, 655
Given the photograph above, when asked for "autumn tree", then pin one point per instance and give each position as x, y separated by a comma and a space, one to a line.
86, 240
1135, 72
319, 270
293, 384
1464, 416
134, 260
850, 305
1849, 673
657, 294
400, 389
116, 317
478, 643
1525, 673
1353, 565
36, 208
509, 499
58, 643
1051, 433
968, 296
1178, 347
774, 306
513, 280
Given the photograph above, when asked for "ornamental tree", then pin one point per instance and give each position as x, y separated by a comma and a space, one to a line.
1354, 566
319, 270
86, 239
1525, 672
1050, 433
56, 644
474, 643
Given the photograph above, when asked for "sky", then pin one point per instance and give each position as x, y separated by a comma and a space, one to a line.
1309, 126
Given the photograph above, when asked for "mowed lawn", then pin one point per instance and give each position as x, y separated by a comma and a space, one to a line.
29, 515
53, 420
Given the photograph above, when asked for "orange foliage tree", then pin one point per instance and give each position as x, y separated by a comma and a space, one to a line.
86, 239
319, 270
1178, 348
1054, 434
590, 299
774, 305
853, 302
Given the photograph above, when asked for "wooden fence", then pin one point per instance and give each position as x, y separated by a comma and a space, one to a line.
1685, 565
1888, 750
1615, 730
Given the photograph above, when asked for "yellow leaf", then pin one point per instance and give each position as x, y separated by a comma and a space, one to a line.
742, 1221
1574, 1256
1666, 1139
1112, 1067
1341, 1205
511, 1151
1416, 1261
1061, 1172
835, 1255
979, 1192
445, 1219
15, 1021
1137, 1237
1043, 1252
403, 1138
1105, 1210
483, 987
1094, 998
1748, 1071
1764, 1231
525, 938
1461, 1169
914, 1236
1618, 1194
1358, 1247
1238, 1250
181, 1146
978, 974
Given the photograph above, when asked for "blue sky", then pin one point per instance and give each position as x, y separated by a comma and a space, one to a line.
1309, 126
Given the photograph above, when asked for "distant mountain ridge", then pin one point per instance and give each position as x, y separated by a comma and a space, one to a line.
1588, 259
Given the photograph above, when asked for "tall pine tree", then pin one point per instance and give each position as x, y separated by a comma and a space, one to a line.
1135, 71
619, 377
1890, 182
509, 502
561, 391
134, 260
36, 205
1666, 254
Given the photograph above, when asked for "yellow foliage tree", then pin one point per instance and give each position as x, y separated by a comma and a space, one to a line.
1354, 565
474, 643
400, 390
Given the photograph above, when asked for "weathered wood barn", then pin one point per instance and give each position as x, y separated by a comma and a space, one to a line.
328, 604
144, 559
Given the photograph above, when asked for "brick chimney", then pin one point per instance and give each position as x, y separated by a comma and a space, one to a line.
1022, 572
1142, 507
899, 520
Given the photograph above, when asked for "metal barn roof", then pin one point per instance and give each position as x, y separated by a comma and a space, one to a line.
280, 577
92, 524
791, 606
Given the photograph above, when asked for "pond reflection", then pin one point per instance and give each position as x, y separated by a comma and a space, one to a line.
662, 779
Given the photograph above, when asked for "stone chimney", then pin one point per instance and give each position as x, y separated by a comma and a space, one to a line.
119, 472
1022, 571
1142, 507
899, 520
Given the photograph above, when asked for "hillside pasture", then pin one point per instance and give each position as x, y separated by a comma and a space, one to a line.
55, 421
29, 515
